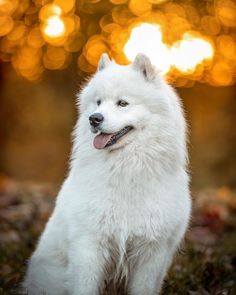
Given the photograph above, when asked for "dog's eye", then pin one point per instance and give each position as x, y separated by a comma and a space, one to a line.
122, 103
99, 102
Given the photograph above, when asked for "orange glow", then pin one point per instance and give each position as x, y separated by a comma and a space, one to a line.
54, 26
6, 24
190, 51
17, 32
27, 62
147, 39
8, 6
139, 7
66, 6
226, 11
222, 74
54, 58
184, 55
35, 38
94, 50
186, 44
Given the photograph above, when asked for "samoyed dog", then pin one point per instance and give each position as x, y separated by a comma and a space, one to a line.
124, 208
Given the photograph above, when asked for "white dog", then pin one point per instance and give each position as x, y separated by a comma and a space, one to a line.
124, 208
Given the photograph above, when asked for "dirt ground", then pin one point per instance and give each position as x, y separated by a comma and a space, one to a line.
206, 264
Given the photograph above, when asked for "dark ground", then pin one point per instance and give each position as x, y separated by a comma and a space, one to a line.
206, 265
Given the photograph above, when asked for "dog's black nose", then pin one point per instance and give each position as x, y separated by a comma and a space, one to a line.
96, 119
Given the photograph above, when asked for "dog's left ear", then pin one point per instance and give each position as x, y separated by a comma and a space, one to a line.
103, 62
143, 64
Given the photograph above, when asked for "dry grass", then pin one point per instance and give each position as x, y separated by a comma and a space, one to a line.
205, 266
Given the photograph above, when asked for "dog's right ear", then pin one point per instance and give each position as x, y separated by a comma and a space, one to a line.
103, 62
143, 64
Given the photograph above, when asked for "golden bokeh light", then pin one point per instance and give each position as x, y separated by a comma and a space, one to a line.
227, 46
55, 58
226, 11
221, 74
35, 38
48, 11
6, 24
184, 54
66, 6
140, 7
94, 49
54, 27
18, 32
157, 1
52, 24
8, 6
75, 42
118, 1
190, 51
186, 40
27, 62
147, 38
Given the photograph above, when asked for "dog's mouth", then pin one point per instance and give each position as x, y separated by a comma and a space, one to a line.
104, 140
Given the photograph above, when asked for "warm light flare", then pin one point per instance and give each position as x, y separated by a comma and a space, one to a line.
54, 27
184, 55
189, 52
147, 39
186, 44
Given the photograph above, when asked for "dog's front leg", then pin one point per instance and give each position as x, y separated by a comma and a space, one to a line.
149, 272
86, 267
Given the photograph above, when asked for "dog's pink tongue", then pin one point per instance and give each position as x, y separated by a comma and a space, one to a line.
101, 140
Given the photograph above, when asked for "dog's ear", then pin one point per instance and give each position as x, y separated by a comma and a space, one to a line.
143, 64
103, 62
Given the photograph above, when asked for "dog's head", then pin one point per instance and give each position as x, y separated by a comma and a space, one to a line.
129, 104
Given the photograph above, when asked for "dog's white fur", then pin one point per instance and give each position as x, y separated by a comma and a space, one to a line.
123, 210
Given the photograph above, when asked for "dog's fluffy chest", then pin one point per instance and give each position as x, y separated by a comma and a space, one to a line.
125, 208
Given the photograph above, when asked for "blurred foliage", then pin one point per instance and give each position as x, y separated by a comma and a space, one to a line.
205, 266
188, 40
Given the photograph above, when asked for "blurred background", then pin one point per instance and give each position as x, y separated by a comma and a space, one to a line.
48, 48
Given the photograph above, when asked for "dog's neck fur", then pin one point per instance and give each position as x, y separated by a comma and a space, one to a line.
144, 163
